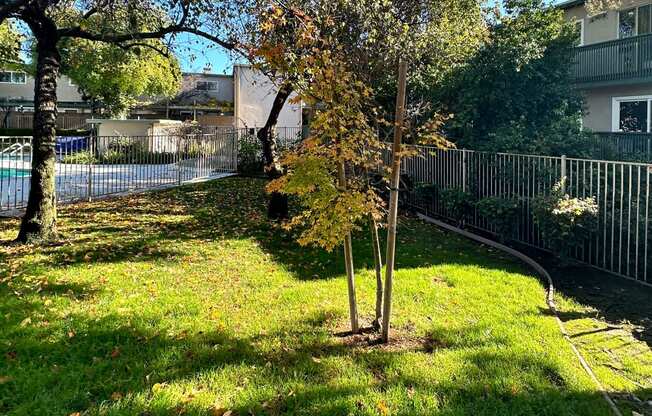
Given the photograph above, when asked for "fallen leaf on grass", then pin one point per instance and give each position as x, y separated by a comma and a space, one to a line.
116, 395
219, 411
5, 379
382, 408
115, 353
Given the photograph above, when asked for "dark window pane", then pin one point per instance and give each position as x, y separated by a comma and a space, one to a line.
644, 20
627, 23
633, 116
5, 76
207, 85
18, 77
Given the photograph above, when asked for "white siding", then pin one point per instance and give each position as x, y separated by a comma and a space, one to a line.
254, 96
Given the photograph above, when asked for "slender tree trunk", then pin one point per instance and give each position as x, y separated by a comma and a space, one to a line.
5, 119
348, 260
39, 222
378, 266
278, 203
393, 199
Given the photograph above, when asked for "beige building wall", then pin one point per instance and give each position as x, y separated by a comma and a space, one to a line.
65, 91
599, 102
254, 95
153, 135
224, 90
603, 26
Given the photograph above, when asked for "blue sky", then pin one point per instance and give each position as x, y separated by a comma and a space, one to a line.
194, 54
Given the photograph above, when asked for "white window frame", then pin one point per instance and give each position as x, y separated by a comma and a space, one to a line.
635, 22
10, 76
615, 110
581, 22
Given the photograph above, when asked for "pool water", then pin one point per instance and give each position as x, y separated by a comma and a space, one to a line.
13, 173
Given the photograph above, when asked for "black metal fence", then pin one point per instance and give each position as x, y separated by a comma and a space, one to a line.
630, 147
622, 242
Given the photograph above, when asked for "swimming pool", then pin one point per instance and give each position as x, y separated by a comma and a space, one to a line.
13, 173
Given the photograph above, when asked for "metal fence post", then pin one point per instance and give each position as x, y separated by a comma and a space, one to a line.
179, 160
464, 170
235, 149
91, 156
563, 173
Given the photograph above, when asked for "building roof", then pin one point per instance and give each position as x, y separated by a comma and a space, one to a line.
569, 4
206, 74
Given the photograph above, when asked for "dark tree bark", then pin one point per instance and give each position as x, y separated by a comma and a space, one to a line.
5, 119
277, 207
39, 221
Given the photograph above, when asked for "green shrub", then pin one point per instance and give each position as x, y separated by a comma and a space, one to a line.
84, 157
565, 222
458, 203
501, 213
250, 155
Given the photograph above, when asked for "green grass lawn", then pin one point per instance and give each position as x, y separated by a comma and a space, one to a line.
188, 302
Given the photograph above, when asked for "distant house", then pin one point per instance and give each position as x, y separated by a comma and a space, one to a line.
205, 97
242, 99
613, 65
17, 93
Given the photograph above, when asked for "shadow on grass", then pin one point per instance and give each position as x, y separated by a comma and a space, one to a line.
126, 364
613, 299
141, 228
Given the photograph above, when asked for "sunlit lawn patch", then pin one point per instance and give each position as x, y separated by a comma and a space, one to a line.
188, 302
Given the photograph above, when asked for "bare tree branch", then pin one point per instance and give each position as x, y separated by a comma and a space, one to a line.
11, 7
160, 51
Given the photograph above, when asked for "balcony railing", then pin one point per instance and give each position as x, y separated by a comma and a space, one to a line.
633, 147
615, 61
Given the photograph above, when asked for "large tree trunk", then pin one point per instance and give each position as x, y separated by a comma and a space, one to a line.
39, 222
278, 203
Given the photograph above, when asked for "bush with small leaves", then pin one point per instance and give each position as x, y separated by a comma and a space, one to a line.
565, 222
250, 155
458, 203
501, 213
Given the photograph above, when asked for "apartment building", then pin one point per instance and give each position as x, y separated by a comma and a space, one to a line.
613, 65
203, 96
242, 99
17, 93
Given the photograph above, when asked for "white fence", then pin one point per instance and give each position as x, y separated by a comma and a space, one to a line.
623, 241
90, 167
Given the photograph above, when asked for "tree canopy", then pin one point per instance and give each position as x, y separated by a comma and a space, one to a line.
10, 44
516, 93
117, 77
